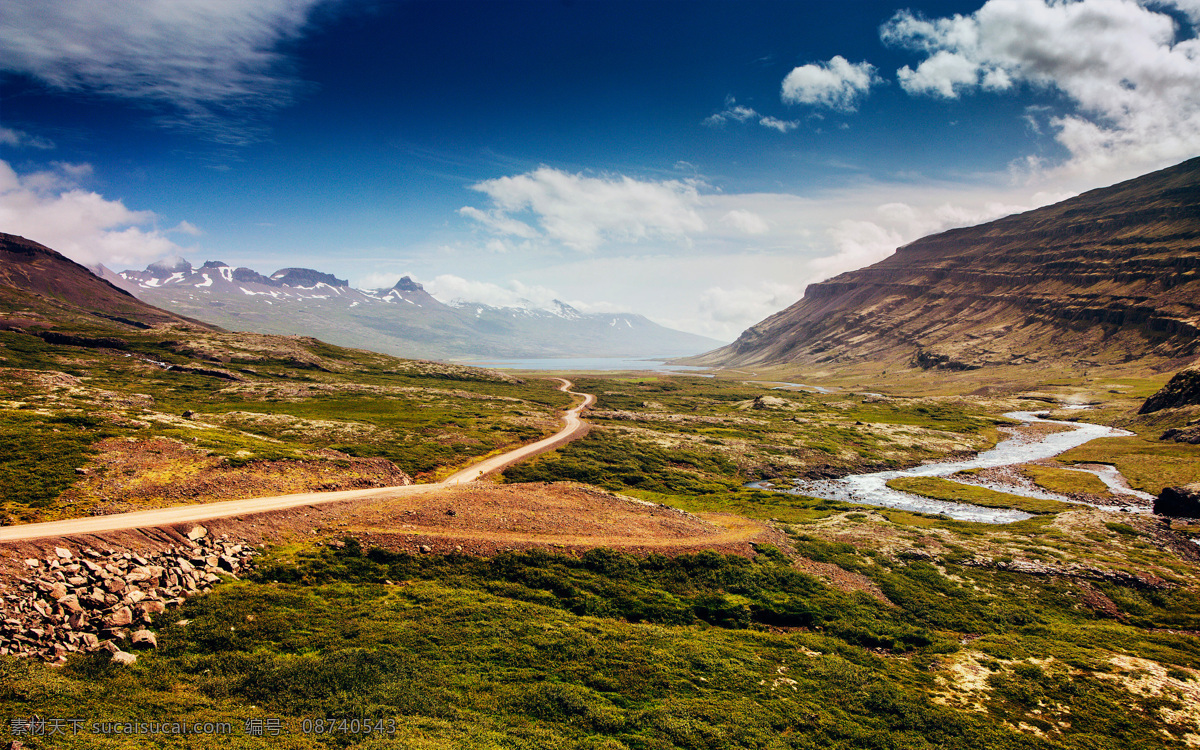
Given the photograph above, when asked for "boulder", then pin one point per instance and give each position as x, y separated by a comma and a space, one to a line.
123, 657
119, 617
143, 639
1179, 502
197, 532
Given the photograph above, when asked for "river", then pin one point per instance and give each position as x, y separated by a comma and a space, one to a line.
872, 489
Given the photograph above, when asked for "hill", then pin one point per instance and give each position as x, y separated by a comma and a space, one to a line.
40, 289
1109, 277
404, 320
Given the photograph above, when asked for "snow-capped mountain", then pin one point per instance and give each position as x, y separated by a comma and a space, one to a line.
404, 320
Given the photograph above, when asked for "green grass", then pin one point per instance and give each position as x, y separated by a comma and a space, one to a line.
38, 458
608, 650
945, 489
1148, 464
1065, 481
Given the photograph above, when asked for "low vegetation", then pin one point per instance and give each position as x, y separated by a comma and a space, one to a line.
957, 492
1065, 481
274, 399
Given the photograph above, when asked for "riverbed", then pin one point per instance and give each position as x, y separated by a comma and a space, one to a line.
872, 489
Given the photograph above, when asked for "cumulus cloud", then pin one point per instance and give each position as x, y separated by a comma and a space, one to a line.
837, 84
583, 212
49, 207
208, 65
1130, 75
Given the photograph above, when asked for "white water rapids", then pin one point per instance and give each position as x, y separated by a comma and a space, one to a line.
872, 489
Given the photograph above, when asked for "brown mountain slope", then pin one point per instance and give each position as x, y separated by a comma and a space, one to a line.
1108, 277
41, 288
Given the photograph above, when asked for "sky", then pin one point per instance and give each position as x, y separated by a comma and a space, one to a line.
697, 162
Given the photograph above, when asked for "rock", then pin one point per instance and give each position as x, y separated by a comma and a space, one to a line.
89, 641
70, 603
123, 657
119, 617
33, 563
82, 471
1179, 502
425, 549
63, 553
115, 585
143, 639
770, 402
1181, 390
58, 591
151, 607
1190, 435
197, 532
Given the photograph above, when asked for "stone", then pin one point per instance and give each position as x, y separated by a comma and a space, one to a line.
143, 639
197, 532
1179, 502
58, 591
119, 617
124, 658
33, 563
63, 553
70, 603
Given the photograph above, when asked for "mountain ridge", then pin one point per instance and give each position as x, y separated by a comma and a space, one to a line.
1106, 278
403, 320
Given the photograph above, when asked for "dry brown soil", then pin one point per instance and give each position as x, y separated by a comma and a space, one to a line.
477, 519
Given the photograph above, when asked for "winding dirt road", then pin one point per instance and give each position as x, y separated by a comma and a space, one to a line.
573, 428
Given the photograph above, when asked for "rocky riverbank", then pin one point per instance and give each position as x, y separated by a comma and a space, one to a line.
85, 600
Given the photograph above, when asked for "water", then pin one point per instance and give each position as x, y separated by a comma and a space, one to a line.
586, 364
872, 489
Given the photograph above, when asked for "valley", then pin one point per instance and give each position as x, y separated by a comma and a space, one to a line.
426, 554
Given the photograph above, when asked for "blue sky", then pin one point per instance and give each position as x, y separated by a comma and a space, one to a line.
698, 162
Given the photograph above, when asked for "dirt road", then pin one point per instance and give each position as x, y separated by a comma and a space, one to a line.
573, 428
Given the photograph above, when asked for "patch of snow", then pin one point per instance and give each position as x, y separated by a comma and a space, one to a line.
207, 281
226, 273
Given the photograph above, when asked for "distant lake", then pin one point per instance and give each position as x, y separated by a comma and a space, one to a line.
579, 364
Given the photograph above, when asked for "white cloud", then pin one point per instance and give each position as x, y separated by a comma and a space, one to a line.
50, 208
21, 139
448, 287
746, 221
583, 212
498, 222
740, 304
733, 112
836, 84
186, 227
775, 123
1130, 75
213, 63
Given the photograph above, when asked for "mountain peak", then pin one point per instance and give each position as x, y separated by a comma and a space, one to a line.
168, 266
306, 277
406, 284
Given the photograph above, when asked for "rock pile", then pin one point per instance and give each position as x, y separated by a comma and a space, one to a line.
88, 601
